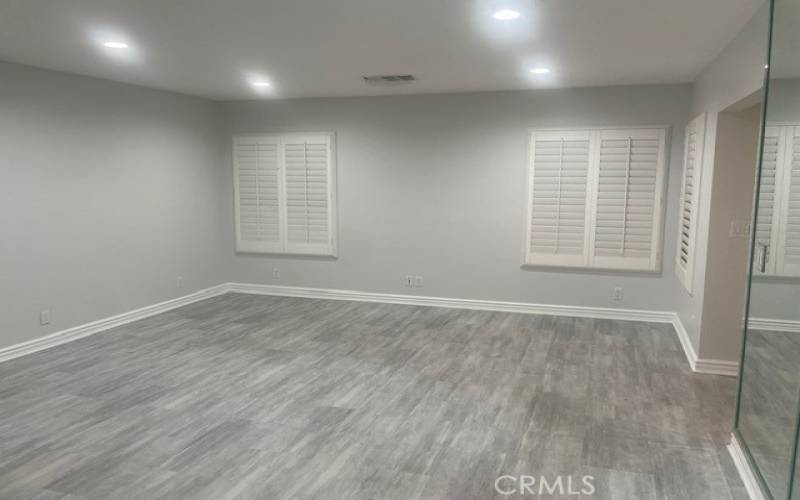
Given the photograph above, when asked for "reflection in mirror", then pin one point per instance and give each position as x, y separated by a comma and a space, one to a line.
770, 383
777, 251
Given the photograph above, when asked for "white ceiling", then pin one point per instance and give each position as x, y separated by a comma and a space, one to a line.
323, 47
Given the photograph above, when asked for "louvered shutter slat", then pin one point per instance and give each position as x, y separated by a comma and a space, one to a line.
629, 169
790, 246
307, 161
768, 212
256, 161
557, 208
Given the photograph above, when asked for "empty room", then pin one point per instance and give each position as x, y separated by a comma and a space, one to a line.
374, 249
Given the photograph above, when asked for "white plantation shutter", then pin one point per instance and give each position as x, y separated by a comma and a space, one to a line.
789, 244
690, 200
627, 217
307, 162
595, 198
558, 179
285, 194
256, 166
768, 213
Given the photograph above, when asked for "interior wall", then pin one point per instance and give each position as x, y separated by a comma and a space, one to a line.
112, 191
737, 71
434, 185
109, 192
732, 194
735, 74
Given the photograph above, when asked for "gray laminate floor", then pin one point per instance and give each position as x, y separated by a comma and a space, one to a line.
259, 397
769, 405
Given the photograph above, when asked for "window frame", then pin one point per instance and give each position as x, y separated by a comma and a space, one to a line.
284, 247
776, 267
659, 208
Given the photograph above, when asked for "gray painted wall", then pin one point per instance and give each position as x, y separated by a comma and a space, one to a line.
123, 189
737, 71
109, 192
434, 185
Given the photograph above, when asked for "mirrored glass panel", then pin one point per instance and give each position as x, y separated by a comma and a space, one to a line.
770, 384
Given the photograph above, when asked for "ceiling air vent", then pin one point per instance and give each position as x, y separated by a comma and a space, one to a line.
387, 80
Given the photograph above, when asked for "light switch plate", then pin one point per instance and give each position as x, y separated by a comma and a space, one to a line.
44, 317
740, 229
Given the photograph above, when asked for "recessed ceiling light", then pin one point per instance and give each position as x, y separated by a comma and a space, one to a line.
506, 15
260, 84
540, 71
115, 45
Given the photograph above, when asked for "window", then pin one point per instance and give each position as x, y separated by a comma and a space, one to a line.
778, 222
595, 198
690, 200
285, 194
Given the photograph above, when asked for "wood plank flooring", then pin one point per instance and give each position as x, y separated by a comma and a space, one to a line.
245, 396
768, 413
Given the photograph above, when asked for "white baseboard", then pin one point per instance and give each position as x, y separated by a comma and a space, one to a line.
78, 332
705, 366
749, 479
717, 367
709, 366
774, 325
686, 342
481, 305
702, 365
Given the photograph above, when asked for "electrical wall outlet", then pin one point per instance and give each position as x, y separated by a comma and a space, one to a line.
179, 282
618, 293
44, 317
413, 281
276, 273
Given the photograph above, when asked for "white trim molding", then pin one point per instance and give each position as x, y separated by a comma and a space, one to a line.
702, 365
749, 479
717, 367
698, 365
480, 305
81, 331
774, 325
686, 342
707, 366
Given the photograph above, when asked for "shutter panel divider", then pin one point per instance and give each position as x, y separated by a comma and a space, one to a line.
627, 195
591, 202
284, 196
558, 199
